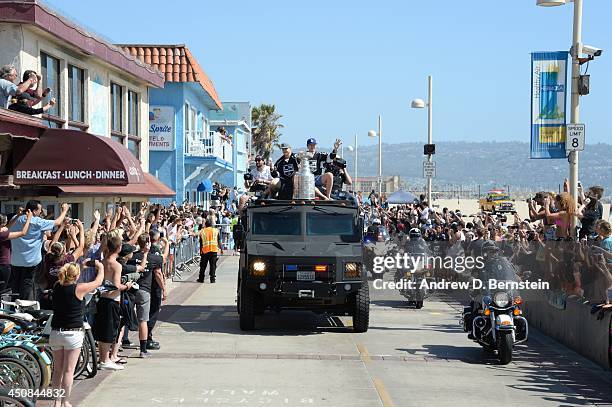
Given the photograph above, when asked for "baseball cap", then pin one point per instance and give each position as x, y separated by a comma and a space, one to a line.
311, 141
285, 146
126, 249
258, 158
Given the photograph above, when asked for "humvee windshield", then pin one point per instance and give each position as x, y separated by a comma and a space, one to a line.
287, 224
321, 224
325, 222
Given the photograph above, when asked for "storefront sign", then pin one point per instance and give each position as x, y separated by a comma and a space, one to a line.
548, 102
161, 128
69, 176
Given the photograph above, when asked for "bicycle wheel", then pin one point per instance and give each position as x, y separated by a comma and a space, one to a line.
83, 360
15, 374
37, 361
8, 401
92, 366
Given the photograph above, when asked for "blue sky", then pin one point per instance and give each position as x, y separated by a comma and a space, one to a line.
331, 66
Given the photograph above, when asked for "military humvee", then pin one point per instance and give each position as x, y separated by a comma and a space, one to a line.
302, 254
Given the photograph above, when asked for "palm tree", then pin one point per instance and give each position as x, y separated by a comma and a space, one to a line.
265, 131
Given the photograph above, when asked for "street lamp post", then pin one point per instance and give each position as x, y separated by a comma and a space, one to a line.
420, 104
353, 149
575, 107
372, 133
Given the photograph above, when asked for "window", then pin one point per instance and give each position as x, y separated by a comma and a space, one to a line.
116, 108
51, 78
187, 126
133, 123
133, 113
117, 138
287, 224
134, 147
332, 224
76, 94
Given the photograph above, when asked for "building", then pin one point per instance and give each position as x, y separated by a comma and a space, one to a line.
96, 138
235, 119
185, 147
367, 184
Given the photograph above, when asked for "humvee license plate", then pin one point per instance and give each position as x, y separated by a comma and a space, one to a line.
305, 275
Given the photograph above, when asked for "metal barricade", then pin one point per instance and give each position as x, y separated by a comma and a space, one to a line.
184, 258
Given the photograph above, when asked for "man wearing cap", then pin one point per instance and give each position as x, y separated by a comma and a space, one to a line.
318, 162
286, 166
261, 177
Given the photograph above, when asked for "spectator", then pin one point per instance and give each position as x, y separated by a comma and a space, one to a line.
143, 294
563, 217
66, 338
159, 247
108, 318
8, 89
590, 212
5, 245
26, 254
225, 230
25, 100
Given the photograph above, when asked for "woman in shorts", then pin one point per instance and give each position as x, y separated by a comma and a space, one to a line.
67, 332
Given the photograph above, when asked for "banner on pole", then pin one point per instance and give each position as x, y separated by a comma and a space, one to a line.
548, 104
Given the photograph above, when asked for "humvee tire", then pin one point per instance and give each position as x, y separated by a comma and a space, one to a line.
361, 309
246, 304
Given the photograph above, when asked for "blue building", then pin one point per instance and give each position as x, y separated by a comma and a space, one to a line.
184, 148
235, 121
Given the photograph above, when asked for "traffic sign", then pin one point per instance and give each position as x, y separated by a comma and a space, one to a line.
574, 140
429, 169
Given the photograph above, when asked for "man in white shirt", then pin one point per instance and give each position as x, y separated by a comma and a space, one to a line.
8, 89
261, 178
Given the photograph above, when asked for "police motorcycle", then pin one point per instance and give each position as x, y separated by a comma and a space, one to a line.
374, 245
419, 273
494, 318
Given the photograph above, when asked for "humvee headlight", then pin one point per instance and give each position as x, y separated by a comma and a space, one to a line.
351, 270
258, 268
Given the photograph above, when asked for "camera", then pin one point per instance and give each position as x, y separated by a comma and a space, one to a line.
74, 221
592, 51
248, 176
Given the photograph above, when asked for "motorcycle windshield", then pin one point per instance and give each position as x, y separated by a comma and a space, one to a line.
498, 268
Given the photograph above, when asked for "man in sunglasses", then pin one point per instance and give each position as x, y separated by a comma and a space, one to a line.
261, 176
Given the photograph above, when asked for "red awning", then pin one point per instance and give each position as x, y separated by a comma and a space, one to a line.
152, 187
73, 157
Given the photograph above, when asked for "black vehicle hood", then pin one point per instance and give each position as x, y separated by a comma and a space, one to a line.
303, 249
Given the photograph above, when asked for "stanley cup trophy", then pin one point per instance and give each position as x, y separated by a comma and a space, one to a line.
303, 180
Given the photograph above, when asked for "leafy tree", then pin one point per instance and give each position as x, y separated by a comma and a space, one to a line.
266, 129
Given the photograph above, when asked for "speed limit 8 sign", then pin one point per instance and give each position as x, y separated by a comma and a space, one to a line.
574, 140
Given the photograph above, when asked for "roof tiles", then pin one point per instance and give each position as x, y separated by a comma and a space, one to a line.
176, 63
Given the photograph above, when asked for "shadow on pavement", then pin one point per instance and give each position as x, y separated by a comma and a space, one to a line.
445, 328
224, 319
467, 354
539, 370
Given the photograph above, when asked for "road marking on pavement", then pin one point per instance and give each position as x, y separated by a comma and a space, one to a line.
435, 313
383, 393
363, 352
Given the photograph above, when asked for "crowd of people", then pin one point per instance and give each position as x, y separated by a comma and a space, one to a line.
539, 246
127, 257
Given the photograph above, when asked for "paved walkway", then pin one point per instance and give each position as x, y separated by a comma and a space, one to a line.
408, 358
